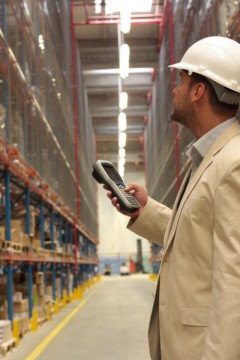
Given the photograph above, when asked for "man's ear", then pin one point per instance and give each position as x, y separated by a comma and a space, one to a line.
198, 91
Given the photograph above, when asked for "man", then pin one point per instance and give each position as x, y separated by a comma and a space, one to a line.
196, 311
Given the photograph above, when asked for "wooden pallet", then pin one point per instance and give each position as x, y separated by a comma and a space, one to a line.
17, 248
11, 246
42, 320
5, 245
8, 346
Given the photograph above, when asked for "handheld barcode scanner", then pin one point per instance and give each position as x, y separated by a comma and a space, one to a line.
105, 173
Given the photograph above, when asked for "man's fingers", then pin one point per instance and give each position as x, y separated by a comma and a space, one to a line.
109, 194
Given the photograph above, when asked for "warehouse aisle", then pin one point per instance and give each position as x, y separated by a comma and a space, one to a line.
110, 323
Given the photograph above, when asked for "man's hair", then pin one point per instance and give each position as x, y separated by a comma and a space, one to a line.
218, 106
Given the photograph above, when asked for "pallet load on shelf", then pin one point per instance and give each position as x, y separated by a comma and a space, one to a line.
7, 342
49, 244
40, 306
16, 234
20, 215
49, 291
58, 287
20, 310
16, 231
19, 238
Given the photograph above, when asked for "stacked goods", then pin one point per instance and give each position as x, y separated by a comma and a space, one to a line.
40, 289
57, 285
58, 288
27, 240
20, 309
20, 283
49, 288
5, 331
49, 291
49, 244
40, 306
2, 232
20, 215
16, 231
37, 243
18, 227
59, 249
7, 342
20, 301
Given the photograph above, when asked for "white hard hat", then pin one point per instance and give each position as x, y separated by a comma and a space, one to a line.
218, 59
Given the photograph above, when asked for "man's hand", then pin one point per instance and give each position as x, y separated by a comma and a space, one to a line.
136, 190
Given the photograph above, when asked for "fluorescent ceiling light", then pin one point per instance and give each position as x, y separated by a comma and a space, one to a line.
113, 6
125, 17
122, 139
41, 42
123, 103
122, 121
98, 7
141, 6
121, 170
121, 162
124, 60
121, 152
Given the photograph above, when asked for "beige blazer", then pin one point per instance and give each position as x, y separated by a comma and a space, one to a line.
196, 311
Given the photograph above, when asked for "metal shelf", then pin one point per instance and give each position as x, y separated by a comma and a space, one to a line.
40, 165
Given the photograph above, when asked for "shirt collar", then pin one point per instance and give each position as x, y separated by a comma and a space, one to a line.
198, 149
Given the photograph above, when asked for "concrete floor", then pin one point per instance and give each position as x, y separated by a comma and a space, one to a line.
110, 323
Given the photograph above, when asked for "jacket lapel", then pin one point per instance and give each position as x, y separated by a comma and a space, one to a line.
176, 204
186, 190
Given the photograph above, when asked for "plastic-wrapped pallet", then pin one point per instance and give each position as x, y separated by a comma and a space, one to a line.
7, 342
5, 331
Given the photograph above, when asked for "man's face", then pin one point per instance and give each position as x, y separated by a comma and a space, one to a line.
183, 111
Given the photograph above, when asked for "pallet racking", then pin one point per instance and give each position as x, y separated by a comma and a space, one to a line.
48, 219
184, 22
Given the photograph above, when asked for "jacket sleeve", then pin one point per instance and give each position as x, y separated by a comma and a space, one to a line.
152, 222
223, 334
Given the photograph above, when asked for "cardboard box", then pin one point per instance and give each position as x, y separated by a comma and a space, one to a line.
36, 243
16, 231
41, 302
20, 306
2, 233
20, 215
40, 289
39, 278
49, 290
27, 240
34, 289
16, 224
17, 297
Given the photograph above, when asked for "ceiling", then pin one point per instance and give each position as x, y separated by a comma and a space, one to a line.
98, 38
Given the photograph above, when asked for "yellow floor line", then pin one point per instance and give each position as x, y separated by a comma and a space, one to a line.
34, 355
